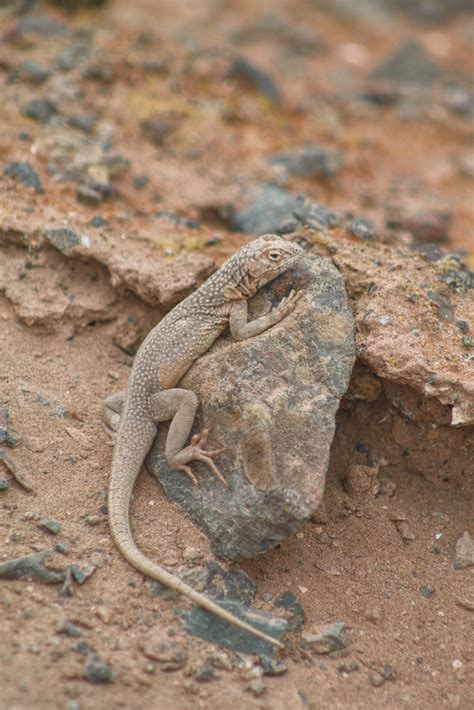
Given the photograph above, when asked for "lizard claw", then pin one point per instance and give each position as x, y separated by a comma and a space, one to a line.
196, 452
205, 457
189, 472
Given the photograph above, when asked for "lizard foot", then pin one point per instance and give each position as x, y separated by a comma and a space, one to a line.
195, 452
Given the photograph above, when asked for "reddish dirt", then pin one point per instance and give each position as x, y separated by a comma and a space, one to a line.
379, 559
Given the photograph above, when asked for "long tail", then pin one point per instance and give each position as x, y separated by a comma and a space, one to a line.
127, 461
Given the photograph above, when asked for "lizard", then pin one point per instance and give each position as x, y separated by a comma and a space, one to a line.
152, 395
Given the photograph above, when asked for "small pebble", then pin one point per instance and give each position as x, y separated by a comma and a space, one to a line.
96, 670
93, 520
376, 679
257, 687
40, 110
205, 673
51, 526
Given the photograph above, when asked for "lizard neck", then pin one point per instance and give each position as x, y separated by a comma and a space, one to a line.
229, 283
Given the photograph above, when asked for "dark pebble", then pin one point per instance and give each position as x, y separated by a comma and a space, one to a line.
26, 174
361, 228
426, 591
63, 239
62, 547
457, 278
156, 130
40, 110
82, 122
463, 326
290, 603
205, 673
309, 161
328, 639
89, 195
177, 219
444, 308
348, 667
70, 629
388, 672
98, 221
30, 566
409, 64
96, 670
80, 575
213, 241
430, 252
51, 526
270, 209
103, 72
33, 73
24, 136
4, 484
271, 666
468, 342
256, 77
41, 25
83, 648
140, 181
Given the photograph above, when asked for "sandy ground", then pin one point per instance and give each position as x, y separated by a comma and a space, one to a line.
380, 561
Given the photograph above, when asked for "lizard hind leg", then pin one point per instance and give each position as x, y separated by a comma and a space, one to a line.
180, 406
113, 407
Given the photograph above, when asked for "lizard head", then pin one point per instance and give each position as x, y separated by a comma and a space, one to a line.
265, 258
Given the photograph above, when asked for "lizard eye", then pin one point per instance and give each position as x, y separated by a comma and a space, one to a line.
274, 255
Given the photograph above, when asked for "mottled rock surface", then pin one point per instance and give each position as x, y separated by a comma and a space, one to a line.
272, 401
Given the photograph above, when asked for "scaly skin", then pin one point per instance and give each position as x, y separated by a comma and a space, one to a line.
165, 355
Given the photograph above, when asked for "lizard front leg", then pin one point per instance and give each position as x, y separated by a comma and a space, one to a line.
180, 406
241, 328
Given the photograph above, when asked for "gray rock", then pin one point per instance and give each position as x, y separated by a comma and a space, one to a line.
170, 655
40, 25
361, 228
326, 639
257, 687
63, 239
98, 222
272, 666
208, 627
69, 629
31, 566
26, 173
89, 195
96, 670
309, 161
4, 484
50, 526
409, 64
272, 401
290, 603
269, 209
83, 122
464, 554
33, 73
40, 110
256, 77
81, 574
206, 672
